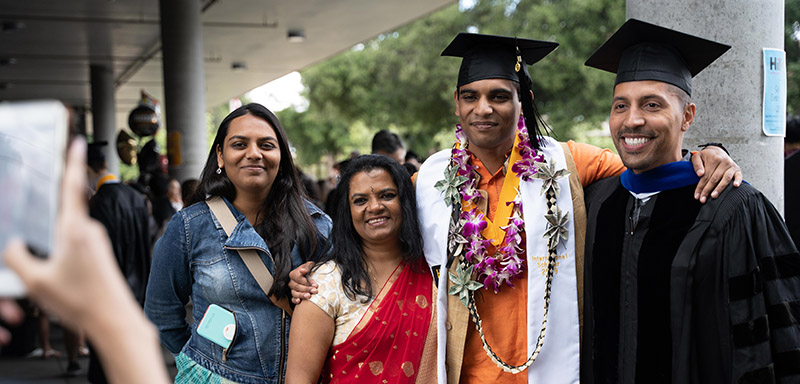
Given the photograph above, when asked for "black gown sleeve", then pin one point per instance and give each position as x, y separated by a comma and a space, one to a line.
763, 288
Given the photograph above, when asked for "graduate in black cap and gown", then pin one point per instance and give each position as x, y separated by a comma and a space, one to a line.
677, 291
124, 213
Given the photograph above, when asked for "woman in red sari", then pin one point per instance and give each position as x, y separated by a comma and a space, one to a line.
372, 320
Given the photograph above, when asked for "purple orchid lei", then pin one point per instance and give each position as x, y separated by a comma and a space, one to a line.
506, 264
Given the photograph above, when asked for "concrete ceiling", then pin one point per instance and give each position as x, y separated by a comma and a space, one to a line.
46, 46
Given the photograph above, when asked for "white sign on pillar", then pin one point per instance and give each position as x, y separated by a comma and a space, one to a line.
773, 116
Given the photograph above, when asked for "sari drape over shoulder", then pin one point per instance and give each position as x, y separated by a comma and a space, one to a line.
395, 341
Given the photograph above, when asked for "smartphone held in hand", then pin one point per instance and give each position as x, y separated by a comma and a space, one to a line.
33, 142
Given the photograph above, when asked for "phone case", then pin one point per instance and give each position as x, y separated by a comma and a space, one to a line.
33, 143
218, 325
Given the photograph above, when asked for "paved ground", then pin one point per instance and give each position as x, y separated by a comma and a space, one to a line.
51, 371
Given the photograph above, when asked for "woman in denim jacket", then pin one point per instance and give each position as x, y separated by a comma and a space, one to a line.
250, 167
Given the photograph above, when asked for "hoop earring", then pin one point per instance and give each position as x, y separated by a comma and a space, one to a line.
219, 170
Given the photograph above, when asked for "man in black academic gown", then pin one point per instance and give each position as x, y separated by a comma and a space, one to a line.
677, 291
124, 213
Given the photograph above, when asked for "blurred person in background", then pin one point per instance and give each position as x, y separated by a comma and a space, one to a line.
390, 145
125, 214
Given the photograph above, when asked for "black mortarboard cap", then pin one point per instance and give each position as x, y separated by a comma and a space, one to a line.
642, 51
94, 151
494, 57
501, 57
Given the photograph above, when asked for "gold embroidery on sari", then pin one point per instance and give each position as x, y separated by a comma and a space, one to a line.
408, 368
376, 367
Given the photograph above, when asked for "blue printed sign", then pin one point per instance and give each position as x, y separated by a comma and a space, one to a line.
773, 120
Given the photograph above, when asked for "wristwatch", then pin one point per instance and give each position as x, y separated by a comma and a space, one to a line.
715, 145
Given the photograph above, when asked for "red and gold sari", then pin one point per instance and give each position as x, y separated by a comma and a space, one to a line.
395, 340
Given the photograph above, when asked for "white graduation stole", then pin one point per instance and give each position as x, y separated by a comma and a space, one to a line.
559, 359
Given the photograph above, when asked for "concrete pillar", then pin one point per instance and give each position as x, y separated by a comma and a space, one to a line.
729, 93
184, 87
104, 123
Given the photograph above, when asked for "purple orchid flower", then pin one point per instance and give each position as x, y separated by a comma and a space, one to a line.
474, 223
476, 250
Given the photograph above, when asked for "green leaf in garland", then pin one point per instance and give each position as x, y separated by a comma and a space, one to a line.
557, 229
549, 176
463, 284
449, 185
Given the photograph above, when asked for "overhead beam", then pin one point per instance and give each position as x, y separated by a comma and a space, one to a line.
130, 20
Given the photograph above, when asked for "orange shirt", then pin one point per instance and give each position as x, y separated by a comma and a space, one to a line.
504, 314
594, 163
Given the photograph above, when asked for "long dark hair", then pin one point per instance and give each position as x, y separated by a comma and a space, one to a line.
347, 251
284, 219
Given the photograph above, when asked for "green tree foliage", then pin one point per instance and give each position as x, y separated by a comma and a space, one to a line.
396, 81
316, 136
565, 91
399, 80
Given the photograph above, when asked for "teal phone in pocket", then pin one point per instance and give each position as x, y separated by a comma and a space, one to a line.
218, 325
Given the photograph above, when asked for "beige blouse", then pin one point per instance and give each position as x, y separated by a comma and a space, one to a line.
331, 298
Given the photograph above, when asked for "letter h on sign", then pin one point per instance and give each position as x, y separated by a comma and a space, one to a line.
774, 63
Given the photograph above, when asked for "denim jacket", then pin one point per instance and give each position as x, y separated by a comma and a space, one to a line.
195, 259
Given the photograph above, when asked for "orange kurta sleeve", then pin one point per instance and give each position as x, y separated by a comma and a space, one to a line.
594, 163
